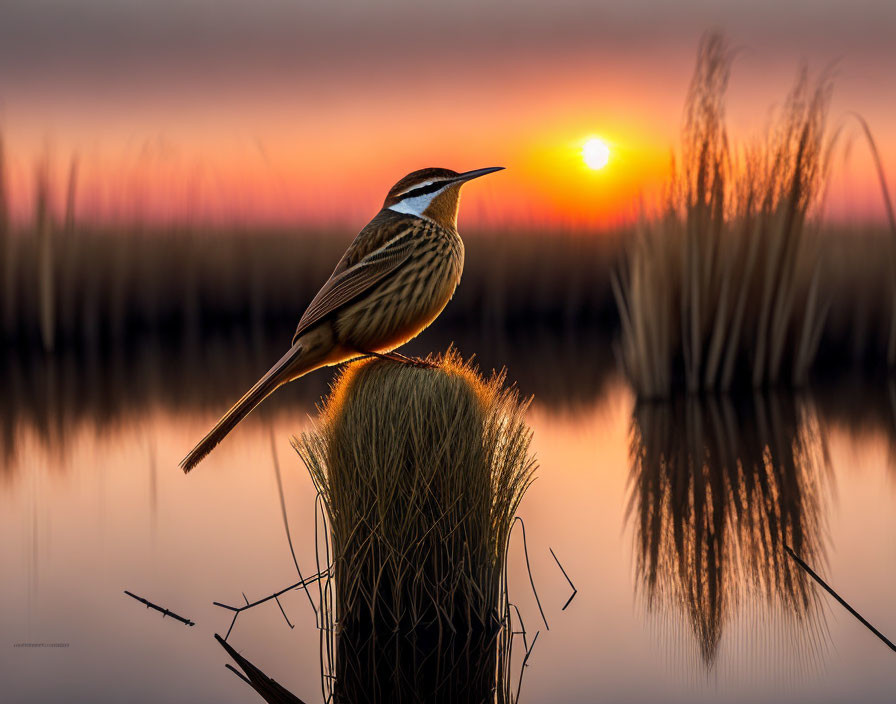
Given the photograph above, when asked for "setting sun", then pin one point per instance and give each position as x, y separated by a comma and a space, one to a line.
596, 153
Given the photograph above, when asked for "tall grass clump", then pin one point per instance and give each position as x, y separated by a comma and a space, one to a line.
421, 471
722, 287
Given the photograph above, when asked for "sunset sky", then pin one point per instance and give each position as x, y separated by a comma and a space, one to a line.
284, 112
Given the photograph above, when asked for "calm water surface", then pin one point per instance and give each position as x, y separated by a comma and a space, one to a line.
684, 591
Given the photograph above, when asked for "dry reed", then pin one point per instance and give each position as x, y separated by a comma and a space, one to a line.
723, 287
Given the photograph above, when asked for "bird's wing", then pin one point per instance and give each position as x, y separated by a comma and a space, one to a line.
346, 284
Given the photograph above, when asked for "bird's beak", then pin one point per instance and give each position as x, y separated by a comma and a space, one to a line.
476, 173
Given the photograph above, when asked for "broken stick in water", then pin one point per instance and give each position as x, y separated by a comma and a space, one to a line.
164, 612
270, 690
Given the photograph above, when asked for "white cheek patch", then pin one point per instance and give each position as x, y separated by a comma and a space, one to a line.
416, 205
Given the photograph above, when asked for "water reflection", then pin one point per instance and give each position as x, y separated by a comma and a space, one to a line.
79, 530
717, 489
864, 408
53, 395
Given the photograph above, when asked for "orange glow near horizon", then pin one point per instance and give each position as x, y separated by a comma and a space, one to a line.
274, 155
281, 181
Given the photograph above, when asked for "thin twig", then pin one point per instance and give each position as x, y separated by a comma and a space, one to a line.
839, 598
238, 674
237, 610
163, 611
310, 580
286, 522
574, 590
531, 579
325, 640
232, 624
519, 686
283, 612
522, 630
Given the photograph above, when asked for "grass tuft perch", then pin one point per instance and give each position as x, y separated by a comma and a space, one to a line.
421, 471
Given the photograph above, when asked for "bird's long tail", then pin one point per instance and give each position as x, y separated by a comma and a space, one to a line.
283, 371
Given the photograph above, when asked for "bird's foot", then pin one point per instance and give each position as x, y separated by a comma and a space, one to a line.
418, 362
404, 359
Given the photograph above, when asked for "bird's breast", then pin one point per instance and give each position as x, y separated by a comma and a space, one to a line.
405, 303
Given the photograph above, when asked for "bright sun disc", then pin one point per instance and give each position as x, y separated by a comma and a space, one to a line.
596, 153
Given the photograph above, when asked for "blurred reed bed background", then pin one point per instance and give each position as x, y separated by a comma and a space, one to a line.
76, 285
737, 282
70, 286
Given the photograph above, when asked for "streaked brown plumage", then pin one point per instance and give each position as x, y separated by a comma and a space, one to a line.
392, 282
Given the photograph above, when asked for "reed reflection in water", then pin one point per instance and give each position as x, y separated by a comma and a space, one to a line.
717, 488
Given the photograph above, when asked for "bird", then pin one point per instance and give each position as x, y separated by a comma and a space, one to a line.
395, 278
